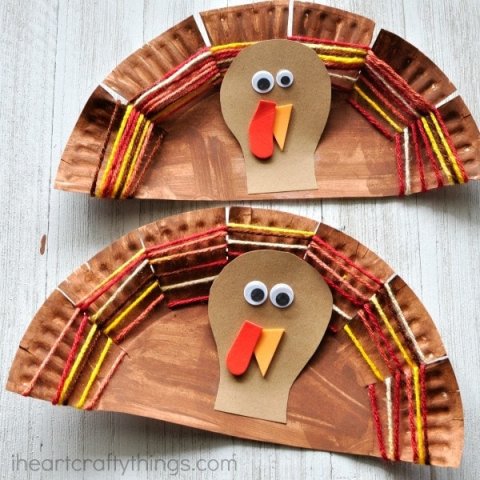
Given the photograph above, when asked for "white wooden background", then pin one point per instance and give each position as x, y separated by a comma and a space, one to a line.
52, 54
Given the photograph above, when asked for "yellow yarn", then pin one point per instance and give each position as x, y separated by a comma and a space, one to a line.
146, 131
114, 149
338, 48
419, 422
94, 373
450, 154
416, 382
135, 303
363, 353
378, 109
77, 362
333, 58
438, 154
120, 268
274, 230
358, 51
390, 329
217, 48
345, 60
127, 155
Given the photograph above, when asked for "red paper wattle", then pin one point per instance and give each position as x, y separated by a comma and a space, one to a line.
260, 132
241, 351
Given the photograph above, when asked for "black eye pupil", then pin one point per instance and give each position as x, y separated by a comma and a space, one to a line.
285, 80
263, 84
282, 299
257, 295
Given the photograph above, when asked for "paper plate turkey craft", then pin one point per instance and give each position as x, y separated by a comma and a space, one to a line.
275, 102
252, 323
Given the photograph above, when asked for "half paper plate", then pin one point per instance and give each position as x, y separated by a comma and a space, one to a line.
154, 127
129, 331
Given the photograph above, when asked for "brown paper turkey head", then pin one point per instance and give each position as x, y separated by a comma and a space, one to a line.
275, 99
268, 311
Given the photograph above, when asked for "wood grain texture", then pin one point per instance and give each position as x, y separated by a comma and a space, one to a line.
54, 54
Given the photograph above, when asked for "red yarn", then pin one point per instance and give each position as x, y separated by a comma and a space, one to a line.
333, 328
139, 171
227, 54
125, 331
122, 150
393, 99
373, 120
251, 231
234, 253
354, 275
172, 71
344, 66
430, 154
375, 340
342, 292
71, 357
174, 92
128, 164
385, 101
46, 360
448, 138
411, 416
399, 158
396, 415
105, 381
320, 240
104, 148
305, 39
376, 419
329, 270
386, 342
199, 92
181, 65
195, 70
187, 301
418, 155
217, 263
155, 249
423, 393
84, 304
119, 154
188, 82
398, 82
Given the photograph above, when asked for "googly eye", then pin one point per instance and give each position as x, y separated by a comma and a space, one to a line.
281, 295
285, 78
255, 293
262, 81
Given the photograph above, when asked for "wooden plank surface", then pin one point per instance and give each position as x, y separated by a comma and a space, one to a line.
53, 53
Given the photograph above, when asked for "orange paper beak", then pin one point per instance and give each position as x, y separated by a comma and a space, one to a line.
267, 346
268, 122
253, 340
283, 114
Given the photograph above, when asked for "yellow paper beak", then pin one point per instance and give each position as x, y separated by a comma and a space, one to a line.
267, 346
283, 114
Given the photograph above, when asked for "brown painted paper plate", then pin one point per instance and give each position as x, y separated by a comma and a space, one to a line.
129, 332
154, 127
